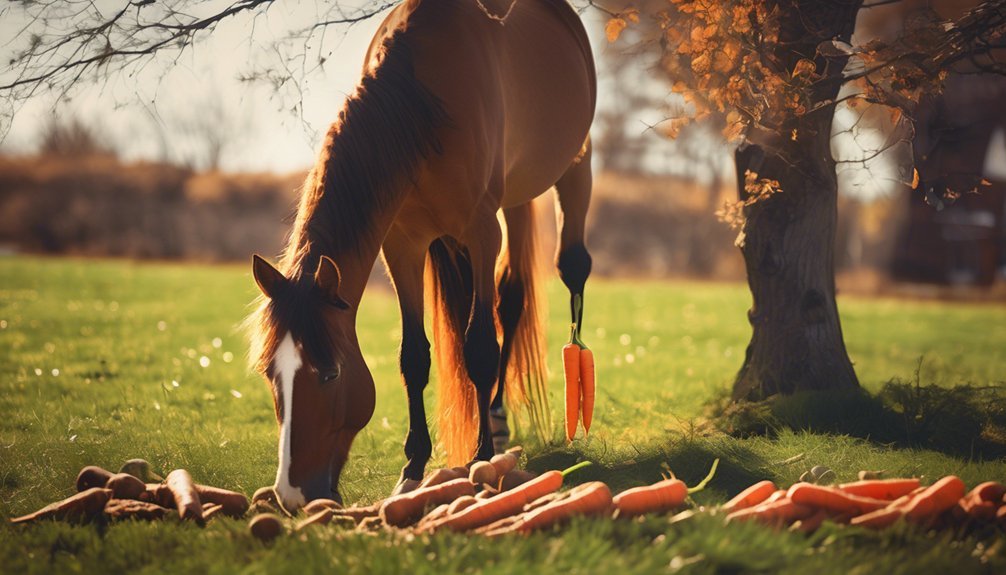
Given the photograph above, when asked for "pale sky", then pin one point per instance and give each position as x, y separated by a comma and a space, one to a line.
267, 136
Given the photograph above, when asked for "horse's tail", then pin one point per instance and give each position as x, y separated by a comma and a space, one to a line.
449, 287
517, 277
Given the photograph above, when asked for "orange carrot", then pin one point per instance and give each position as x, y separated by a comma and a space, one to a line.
460, 504
775, 496
587, 499
821, 497
234, 504
936, 499
586, 388
751, 496
92, 476
443, 475
661, 496
186, 498
504, 463
991, 491
878, 519
979, 510
407, 508
781, 512
507, 503
888, 489
906, 498
571, 372
810, 524
82, 506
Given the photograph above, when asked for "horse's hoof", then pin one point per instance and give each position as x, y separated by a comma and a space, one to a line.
500, 429
336, 496
405, 486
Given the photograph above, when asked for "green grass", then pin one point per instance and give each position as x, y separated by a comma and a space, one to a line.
127, 340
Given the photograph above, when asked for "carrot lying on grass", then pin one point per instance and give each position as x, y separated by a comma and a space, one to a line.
751, 496
507, 503
233, 504
878, 519
991, 491
514, 478
887, 489
92, 476
935, 499
810, 524
443, 475
659, 497
407, 508
781, 512
505, 462
571, 373
125, 486
821, 497
591, 498
117, 509
183, 491
82, 506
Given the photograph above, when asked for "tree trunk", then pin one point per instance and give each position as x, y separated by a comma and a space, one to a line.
789, 243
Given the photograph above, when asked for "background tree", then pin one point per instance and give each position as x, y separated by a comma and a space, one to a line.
775, 71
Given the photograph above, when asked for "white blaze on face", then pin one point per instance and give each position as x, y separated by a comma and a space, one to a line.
285, 363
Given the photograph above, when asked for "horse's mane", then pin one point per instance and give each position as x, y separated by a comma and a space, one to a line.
370, 153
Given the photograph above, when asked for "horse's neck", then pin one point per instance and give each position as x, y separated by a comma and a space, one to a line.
356, 260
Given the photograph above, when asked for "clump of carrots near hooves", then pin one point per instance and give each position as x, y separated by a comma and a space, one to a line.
497, 497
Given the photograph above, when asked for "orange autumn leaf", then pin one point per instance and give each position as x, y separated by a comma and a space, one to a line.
804, 68
895, 116
613, 29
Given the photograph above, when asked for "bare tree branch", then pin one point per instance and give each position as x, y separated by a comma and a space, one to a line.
60, 44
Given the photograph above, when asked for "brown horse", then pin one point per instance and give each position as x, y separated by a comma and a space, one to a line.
465, 108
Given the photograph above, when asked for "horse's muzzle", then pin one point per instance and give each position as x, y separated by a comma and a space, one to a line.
296, 496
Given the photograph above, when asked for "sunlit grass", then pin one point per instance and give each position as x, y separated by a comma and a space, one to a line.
101, 361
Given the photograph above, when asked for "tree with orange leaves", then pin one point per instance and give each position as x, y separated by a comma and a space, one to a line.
774, 71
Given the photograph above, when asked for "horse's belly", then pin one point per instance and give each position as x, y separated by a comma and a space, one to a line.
549, 95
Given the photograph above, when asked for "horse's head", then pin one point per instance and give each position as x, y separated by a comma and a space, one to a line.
322, 390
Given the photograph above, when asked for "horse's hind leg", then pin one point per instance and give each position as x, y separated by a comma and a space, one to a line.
572, 258
481, 349
405, 262
509, 308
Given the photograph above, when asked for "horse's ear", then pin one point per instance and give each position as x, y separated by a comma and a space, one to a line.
268, 278
328, 278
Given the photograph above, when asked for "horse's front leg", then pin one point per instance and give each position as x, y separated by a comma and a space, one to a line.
405, 260
481, 348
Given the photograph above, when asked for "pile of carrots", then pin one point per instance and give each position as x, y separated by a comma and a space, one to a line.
496, 497
106, 496
871, 503
578, 372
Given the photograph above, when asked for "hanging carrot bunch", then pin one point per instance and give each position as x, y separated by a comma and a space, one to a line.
578, 369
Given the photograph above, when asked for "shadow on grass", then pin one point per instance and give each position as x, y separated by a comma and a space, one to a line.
690, 458
964, 421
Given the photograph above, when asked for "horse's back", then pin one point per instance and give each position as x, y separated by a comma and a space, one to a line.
522, 91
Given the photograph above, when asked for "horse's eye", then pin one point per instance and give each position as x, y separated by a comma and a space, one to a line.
330, 375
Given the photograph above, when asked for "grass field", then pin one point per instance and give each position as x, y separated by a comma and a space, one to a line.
102, 361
